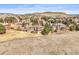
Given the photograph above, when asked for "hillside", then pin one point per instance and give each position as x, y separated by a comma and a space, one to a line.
40, 14
53, 14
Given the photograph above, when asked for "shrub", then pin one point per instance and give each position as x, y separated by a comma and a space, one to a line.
45, 18
58, 21
72, 27
35, 22
1, 20
41, 22
46, 29
77, 27
10, 20
23, 24
2, 29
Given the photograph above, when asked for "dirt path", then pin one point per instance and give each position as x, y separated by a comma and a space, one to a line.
67, 43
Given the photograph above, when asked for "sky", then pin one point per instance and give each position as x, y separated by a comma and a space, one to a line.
31, 8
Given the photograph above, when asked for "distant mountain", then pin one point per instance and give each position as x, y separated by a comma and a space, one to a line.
57, 14
5, 13
74, 14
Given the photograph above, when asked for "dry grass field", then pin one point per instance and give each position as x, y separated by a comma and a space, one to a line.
12, 34
52, 44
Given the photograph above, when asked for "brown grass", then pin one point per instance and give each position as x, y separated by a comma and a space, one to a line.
12, 34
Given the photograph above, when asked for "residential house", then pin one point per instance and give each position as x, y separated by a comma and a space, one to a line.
58, 27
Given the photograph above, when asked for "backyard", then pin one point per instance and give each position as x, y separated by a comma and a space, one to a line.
15, 42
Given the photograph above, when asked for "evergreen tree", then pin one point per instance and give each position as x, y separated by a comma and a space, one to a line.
46, 29
2, 29
77, 27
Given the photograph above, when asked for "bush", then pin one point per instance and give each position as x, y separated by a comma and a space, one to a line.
45, 18
1, 20
2, 29
77, 27
34, 22
46, 29
72, 27
10, 19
